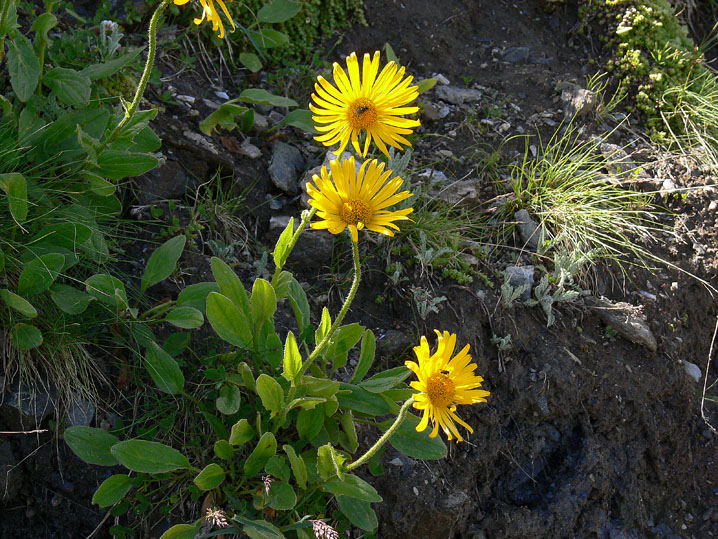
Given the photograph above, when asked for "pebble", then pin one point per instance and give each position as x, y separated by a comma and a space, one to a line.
440, 79
713, 205
222, 95
515, 55
693, 371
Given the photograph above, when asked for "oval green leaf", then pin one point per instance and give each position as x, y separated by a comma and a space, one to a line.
163, 261
112, 490
163, 369
265, 449
211, 477
228, 321
185, 317
271, 393
91, 444
26, 336
149, 457
18, 303
229, 399
69, 299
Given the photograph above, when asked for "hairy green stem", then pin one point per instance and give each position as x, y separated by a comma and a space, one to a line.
152, 38
381, 441
338, 321
3, 21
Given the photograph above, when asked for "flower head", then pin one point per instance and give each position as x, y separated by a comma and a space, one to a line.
370, 101
357, 199
210, 13
217, 517
443, 382
322, 530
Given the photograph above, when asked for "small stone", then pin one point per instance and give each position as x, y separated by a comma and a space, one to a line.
693, 371
668, 187
166, 182
222, 95
260, 123
464, 193
313, 249
431, 112
713, 205
516, 55
457, 95
250, 150
529, 230
617, 160
433, 176
80, 412
577, 102
441, 79
628, 321
520, 276
285, 167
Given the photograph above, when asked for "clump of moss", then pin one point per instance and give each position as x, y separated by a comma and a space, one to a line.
317, 19
651, 53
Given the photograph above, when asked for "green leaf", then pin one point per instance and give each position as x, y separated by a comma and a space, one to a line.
163, 261
2, 260
310, 422
15, 187
163, 369
300, 304
195, 295
278, 11
258, 96
70, 299
271, 393
229, 399
182, 531
42, 25
320, 387
415, 444
185, 317
112, 490
352, 486
299, 468
324, 326
281, 284
301, 119
18, 303
108, 290
268, 38
176, 343
251, 61
281, 249
10, 21
385, 380
266, 448
231, 286
223, 117
23, 66
101, 71
360, 400
40, 273
223, 449
359, 513
119, 164
292, 359
329, 462
258, 529
211, 477
70, 87
426, 85
366, 356
91, 445
281, 496
69, 235
390, 55
98, 185
228, 321
241, 433
264, 301
149, 457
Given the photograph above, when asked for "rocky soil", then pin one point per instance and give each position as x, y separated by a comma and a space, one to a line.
589, 431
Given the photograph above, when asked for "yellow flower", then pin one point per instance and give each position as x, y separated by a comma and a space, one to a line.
357, 200
211, 14
373, 104
443, 383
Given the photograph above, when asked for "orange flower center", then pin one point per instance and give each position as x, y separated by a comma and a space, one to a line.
355, 211
441, 390
362, 113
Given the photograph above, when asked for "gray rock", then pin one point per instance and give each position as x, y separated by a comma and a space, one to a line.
465, 193
457, 95
285, 167
433, 176
26, 408
628, 321
516, 55
166, 182
617, 160
392, 342
80, 412
519, 276
10, 473
529, 230
577, 102
260, 123
431, 112
693, 370
441, 79
313, 249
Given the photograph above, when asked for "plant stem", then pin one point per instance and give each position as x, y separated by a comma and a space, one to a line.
337, 322
3, 21
381, 441
152, 38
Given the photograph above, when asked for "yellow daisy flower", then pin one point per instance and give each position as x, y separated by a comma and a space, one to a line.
443, 383
365, 102
357, 199
210, 13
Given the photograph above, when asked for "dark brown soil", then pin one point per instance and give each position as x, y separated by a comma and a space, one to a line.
585, 434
